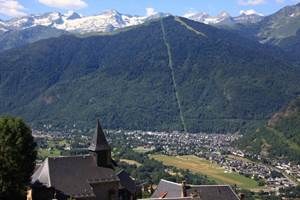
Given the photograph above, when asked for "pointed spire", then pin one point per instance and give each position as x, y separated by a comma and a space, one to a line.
99, 141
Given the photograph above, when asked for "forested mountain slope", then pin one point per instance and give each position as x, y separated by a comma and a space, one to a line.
280, 29
17, 38
280, 136
170, 74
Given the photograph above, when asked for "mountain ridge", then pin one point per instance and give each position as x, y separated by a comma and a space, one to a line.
124, 78
273, 28
249, 23
224, 18
73, 22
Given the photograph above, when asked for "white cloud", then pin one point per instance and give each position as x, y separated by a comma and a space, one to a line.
11, 8
250, 12
65, 4
150, 12
280, 1
251, 2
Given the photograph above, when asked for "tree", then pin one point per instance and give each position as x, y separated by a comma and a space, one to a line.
17, 158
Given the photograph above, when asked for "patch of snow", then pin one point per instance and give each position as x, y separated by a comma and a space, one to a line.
250, 12
106, 21
249, 16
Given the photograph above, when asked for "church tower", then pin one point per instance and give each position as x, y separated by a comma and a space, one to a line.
100, 149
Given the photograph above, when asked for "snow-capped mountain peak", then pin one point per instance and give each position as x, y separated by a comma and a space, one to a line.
201, 16
224, 14
47, 19
207, 19
224, 18
108, 20
192, 14
104, 22
111, 12
248, 16
70, 15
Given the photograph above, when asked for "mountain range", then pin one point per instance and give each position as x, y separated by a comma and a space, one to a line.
197, 73
224, 18
73, 22
19, 31
278, 29
111, 20
274, 28
167, 74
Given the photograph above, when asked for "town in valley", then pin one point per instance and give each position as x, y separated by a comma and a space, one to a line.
271, 175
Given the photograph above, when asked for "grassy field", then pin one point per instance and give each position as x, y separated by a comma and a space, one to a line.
131, 162
205, 167
142, 150
44, 153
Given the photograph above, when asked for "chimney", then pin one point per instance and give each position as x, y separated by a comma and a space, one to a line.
242, 196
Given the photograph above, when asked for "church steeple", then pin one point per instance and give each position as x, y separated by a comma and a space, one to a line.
100, 149
99, 141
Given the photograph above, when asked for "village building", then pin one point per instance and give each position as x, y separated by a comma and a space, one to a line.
85, 177
174, 191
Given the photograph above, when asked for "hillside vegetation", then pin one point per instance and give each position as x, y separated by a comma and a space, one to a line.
15, 39
280, 137
280, 30
170, 74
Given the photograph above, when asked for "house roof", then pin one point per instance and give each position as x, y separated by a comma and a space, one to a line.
127, 182
204, 192
172, 189
99, 141
212, 192
72, 175
175, 198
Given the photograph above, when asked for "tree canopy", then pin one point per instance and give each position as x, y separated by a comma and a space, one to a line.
17, 157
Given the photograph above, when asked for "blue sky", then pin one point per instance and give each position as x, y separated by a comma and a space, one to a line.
14, 8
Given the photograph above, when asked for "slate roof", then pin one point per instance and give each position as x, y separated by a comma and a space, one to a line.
127, 182
203, 192
213, 192
99, 141
175, 198
72, 175
173, 189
